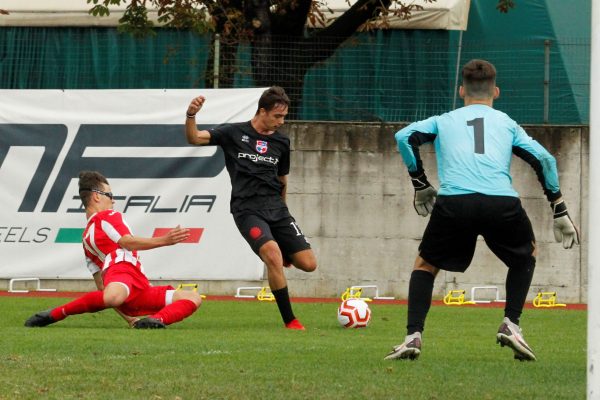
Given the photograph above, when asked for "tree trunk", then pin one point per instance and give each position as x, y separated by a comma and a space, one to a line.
291, 54
281, 52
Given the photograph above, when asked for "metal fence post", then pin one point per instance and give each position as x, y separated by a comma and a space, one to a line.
216, 63
547, 44
456, 73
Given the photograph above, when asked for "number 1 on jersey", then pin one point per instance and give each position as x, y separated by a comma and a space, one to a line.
478, 131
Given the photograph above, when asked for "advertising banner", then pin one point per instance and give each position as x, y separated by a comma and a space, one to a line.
136, 139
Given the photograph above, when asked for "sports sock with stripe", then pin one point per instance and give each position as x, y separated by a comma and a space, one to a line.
88, 303
176, 311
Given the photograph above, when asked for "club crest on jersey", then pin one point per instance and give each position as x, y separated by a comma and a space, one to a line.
261, 146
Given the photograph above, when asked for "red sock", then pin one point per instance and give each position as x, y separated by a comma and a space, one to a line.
176, 311
88, 303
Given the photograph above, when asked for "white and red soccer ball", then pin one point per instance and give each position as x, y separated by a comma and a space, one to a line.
354, 313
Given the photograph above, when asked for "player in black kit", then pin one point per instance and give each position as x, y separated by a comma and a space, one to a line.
257, 158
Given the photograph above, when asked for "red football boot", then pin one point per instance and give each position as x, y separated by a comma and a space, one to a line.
295, 324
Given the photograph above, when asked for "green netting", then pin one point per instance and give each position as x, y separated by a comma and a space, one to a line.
384, 76
97, 58
515, 43
390, 75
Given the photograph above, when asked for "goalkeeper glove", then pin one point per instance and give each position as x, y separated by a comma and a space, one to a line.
425, 195
564, 228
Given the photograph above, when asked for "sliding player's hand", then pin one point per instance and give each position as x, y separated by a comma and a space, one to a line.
177, 235
565, 230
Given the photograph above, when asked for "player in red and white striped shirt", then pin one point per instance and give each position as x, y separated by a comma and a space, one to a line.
111, 252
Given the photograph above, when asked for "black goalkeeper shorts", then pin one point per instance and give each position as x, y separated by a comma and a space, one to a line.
456, 221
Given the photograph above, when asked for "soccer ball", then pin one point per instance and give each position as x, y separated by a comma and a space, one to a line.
354, 313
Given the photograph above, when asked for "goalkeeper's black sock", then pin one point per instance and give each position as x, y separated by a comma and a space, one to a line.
518, 280
420, 289
285, 306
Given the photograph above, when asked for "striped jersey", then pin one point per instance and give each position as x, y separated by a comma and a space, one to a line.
100, 241
474, 147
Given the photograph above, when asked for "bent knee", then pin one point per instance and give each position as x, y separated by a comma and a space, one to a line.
189, 295
305, 260
195, 298
309, 266
422, 265
113, 300
115, 294
271, 254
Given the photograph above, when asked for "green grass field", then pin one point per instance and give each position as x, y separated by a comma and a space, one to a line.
239, 350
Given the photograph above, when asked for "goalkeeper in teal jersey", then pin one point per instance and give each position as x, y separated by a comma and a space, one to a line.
474, 147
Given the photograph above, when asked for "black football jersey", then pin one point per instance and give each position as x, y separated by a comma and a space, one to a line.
254, 163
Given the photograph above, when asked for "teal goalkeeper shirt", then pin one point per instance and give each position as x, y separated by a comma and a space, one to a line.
474, 147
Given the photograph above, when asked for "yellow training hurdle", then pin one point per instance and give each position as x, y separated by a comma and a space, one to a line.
546, 299
456, 298
354, 292
193, 286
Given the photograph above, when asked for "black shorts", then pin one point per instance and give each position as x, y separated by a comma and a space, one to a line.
456, 221
260, 226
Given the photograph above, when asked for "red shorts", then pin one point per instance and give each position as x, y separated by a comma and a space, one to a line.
143, 298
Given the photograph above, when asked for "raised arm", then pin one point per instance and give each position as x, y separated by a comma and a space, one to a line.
175, 235
193, 135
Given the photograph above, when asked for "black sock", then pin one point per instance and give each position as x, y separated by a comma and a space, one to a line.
420, 289
518, 280
283, 302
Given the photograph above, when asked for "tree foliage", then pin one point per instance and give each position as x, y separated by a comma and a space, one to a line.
243, 18
204, 15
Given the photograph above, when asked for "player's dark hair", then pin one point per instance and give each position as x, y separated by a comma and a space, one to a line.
479, 79
90, 180
273, 96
